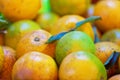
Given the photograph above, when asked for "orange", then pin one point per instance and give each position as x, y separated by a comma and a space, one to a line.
17, 30
35, 41
9, 60
82, 66
105, 49
115, 77
112, 35
15, 10
64, 7
47, 20
109, 11
72, 42
35, 66
68, 22
1, 58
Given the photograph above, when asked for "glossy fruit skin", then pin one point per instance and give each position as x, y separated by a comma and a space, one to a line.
112, 35
36, 41
35, 66
1, 57
9, 60
82, 66
109, 11
65, 7
17, 30
105, 49
15, 10
68, 22
72, 42
47, 20
115, 77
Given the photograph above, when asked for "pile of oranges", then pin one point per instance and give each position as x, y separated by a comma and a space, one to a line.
47, 40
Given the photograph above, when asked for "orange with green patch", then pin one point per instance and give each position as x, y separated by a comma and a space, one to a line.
82, 65
47, 20
68, 22
64, 7
112, 35
17, 30
72, 42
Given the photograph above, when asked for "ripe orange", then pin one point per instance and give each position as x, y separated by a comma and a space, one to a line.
35, 66
47, 20
105, 49
15, 10
68, 22
35, 41
64, 7
72, 42
9, 60
17, 30
82, 66
109, 11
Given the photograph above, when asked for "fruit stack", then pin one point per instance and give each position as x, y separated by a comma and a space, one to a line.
59, 40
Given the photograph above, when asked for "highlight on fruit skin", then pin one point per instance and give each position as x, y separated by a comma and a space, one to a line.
105, 49
82, 65
71, 42
36, 41
47, 20
15, 10
35, 66
109, 11
9, 60
69, 22
17, 30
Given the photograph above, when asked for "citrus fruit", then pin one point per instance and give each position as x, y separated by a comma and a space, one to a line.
35, 41
71, 42
1, 57
18, 30
9, 60
109, 11
82, 66
112, 35
64, 7
115, 77
105, 49
47, 20
15, 10
68, 22
35, 66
